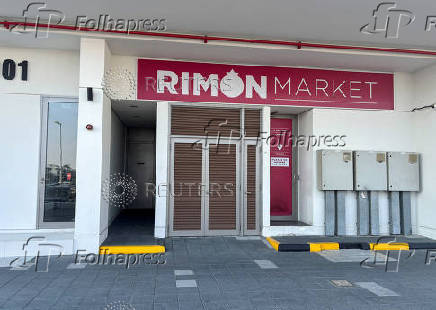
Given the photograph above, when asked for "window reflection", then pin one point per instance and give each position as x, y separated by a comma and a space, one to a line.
60, 171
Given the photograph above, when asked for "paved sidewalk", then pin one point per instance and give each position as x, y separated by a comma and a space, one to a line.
225, 273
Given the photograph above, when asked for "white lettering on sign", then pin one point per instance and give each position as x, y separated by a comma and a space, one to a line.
279, 161
231, 85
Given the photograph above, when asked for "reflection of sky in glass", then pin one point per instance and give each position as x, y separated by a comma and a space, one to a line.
65, 113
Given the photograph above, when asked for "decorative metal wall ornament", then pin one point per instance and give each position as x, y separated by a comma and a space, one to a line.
119, 84
119, 305
120, 190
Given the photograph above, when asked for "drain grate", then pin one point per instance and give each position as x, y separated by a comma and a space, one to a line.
341, 283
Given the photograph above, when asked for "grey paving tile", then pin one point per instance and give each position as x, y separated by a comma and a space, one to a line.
165, 306
186, 272
191, 305
186, 283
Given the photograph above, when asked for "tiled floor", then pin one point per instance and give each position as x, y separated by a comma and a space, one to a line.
222, 273
132, 227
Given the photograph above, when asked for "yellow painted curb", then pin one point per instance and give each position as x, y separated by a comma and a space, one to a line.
274, 243
132, 249
388, 246
317, 247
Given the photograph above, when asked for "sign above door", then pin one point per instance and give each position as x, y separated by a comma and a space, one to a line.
167, 80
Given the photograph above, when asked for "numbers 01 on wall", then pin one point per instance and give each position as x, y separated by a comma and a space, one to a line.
9, 69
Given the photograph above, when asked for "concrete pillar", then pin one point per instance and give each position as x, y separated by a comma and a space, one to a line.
374, 213
394, 213
265, 133
162, 157
93, 148
330, 213
363, 213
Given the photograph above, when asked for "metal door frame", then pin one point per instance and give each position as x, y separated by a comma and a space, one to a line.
245, 230
43, 161
204, 231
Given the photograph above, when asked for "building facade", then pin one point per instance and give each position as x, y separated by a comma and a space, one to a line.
214, 148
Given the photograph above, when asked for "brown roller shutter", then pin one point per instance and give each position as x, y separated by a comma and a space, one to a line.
187, 179
252, 122
251, 187
190, 121
222, 187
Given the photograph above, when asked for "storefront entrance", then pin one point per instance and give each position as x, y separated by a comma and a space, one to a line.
284, 206
215, 179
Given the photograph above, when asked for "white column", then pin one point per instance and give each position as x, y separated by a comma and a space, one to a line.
266, 132
93, 148
162, 158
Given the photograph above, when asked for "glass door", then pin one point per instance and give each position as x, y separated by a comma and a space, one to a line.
57, 192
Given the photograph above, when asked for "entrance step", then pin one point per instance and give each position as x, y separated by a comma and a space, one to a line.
132, 249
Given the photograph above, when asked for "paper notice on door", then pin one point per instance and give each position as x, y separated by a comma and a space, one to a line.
279, 161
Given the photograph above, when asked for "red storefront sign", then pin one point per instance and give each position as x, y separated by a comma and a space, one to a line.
205, 82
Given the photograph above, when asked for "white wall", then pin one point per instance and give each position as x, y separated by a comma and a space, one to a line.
425, 129
51, 72
404, 91
364, 130
117, 155
93, 148
20, 128
162, 161
306, 170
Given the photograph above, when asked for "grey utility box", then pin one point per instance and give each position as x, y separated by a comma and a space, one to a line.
370, 171
335, 170
403, 172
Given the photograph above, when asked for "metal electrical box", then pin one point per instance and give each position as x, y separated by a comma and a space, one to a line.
370, 171
403, 172
335, 170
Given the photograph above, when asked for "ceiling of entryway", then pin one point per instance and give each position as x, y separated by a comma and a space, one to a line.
333, 22
136, 113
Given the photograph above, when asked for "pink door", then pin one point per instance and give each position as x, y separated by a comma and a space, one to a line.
281, 166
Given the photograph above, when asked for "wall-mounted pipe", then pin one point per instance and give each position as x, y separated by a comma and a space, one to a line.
206, 39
